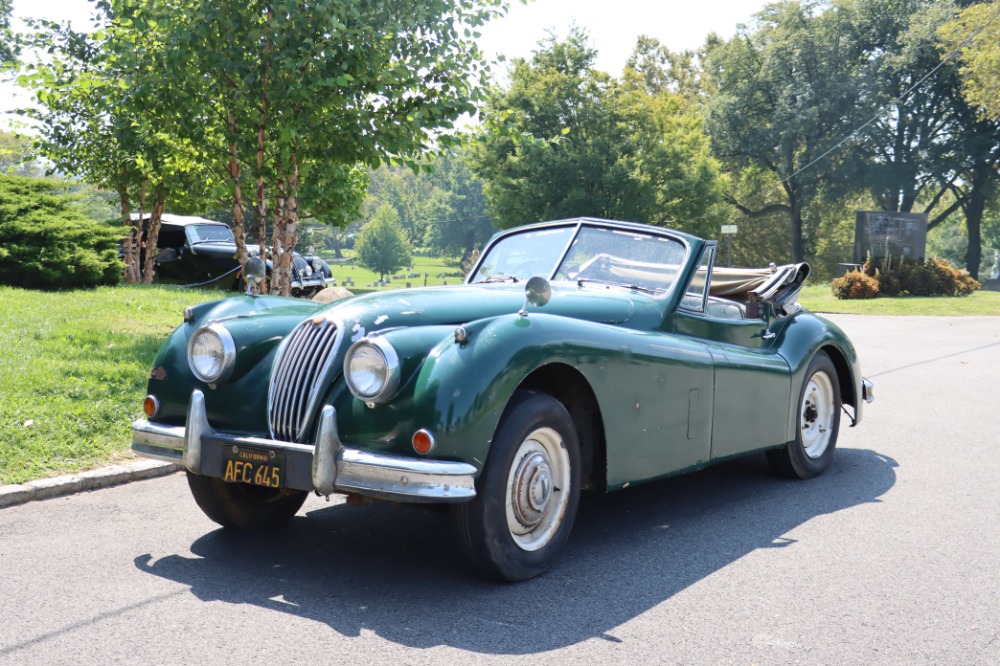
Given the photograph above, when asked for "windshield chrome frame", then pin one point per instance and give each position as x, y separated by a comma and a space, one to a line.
596, 223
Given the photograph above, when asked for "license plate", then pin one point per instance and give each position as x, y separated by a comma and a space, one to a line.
258, 467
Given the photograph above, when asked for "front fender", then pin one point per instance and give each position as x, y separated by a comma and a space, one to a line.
462, 389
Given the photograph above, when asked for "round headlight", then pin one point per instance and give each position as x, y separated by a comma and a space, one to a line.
371, 368
317, 264
307, 271
211, 353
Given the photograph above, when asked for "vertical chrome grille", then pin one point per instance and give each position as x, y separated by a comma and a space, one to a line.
298, 376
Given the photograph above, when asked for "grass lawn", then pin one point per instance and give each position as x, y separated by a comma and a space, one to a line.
431, 271
819, 298
73, 368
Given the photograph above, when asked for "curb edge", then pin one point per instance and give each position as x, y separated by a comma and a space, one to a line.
69, 484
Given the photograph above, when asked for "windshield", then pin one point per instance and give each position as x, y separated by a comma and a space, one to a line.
209, 233
624, 258
521, 256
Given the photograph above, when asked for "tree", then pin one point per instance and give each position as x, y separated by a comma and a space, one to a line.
382, 246
980, 57
307, 91
927, 149
460, 222
95, 121
604, 147
409, 191
293, 104
7, 53
906, 156
46, 244
17, 156
441, 206
785, 88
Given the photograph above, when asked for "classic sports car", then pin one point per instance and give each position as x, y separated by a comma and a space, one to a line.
196, 252
579, 355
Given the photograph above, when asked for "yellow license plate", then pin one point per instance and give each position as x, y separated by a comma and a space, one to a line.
258, 467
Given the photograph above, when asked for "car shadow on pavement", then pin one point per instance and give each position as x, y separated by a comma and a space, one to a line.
393, 570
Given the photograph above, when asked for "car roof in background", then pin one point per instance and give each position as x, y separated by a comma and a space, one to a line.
181, 220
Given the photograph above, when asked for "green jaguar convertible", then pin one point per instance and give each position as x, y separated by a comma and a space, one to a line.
579, 355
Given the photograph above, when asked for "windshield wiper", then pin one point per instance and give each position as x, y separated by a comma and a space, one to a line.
500, 278
625, 285
210, 240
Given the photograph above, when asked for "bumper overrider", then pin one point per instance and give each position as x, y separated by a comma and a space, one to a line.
313, 283
326, 468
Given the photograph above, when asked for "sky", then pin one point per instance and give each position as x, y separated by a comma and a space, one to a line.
613, 26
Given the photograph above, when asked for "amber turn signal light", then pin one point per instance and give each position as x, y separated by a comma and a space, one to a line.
151, 406
423, 442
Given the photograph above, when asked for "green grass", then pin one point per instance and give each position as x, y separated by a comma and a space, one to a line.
437, 270
819, 298
73, 369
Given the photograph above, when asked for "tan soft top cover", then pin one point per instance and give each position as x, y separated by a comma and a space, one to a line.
735, 281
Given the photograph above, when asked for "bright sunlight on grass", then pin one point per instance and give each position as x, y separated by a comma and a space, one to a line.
819, 298
73, 367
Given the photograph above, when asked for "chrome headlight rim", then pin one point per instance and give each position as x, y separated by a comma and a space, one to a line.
391, 375
228, 348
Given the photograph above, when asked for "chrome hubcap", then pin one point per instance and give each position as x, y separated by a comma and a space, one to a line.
537, 489
532, 489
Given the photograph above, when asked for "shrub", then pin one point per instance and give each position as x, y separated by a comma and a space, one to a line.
46, 244
936, 277
855, 285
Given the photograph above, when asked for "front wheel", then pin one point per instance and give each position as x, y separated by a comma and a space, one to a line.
816, 425
528, 492
242, 506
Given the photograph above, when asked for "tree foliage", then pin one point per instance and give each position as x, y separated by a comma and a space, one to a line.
46, 244
441, 206
785, 92
286, 109
980, 57
382, 246
6, 43
17, 156
595, 145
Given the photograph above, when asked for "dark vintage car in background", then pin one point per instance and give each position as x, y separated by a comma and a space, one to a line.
579, 355
196, 252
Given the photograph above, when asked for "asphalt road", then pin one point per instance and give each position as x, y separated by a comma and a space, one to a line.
891, 557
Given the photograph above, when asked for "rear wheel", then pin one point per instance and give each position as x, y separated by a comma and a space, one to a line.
528, 493
817, 423
242, 506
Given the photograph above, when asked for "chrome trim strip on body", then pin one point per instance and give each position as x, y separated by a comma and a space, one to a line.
335, 468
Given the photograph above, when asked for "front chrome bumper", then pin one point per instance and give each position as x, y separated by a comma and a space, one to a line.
313, 283
326, 468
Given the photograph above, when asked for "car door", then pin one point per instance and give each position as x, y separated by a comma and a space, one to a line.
752, 382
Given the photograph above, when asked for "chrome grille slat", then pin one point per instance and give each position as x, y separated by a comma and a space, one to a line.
303, 379
300, 372
296, 347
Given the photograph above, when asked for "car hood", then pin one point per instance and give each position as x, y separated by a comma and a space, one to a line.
215, 249
467, 303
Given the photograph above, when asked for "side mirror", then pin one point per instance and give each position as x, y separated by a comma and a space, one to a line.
538, 292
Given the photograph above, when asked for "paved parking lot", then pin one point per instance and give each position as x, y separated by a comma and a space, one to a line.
892, 557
